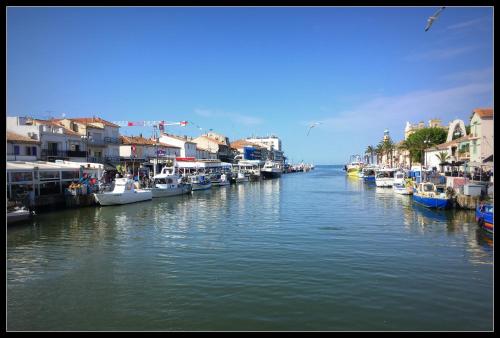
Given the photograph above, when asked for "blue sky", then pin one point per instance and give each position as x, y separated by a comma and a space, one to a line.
245, 71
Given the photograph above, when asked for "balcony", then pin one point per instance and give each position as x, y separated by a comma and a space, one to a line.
96, 143
112, 140
74, 153
53, 153
112, 159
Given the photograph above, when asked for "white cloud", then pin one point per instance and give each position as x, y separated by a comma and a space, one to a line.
475, 22
372, 117
440, 54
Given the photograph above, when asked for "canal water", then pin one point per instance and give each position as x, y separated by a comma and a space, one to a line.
305, 252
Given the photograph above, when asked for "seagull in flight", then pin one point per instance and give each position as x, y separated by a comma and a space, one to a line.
432, 18
312, 126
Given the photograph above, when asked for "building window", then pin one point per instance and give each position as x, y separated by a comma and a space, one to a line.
33, 151
16, 150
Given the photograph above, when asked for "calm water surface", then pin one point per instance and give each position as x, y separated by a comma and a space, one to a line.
308, 251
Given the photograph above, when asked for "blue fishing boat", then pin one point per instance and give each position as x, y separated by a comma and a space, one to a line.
369, 174
432, 195
484, 217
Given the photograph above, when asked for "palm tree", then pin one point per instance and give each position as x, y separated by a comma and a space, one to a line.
406, 145
442, 156
379, 150
370, 150
389, 148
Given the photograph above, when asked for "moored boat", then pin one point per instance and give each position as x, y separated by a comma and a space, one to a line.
124, 192
384, 177
484, 217
354, 166
369, 174
271, 169
432, 195
400, 186
167, 184
200, 182
17, 215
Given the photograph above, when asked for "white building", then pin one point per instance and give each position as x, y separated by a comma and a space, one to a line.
56, 141
187, 146
481, 136
99, 136
22, 148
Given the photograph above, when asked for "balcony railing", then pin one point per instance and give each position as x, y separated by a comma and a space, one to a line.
112, 159
112, 140
62, 153
96, 143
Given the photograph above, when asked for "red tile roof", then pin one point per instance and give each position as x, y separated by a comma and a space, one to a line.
86, 120
242, 143
484, 112
139, 140
57, 124
13, 137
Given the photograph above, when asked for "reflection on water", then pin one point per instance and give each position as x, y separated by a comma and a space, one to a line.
308, 251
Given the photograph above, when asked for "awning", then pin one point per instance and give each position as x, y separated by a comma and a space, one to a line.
488, 159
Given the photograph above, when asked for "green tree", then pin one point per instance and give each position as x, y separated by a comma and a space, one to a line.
442, 156
379, 150
423, 139
389, 147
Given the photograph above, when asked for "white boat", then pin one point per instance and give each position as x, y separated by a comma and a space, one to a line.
18, 214
124, 192
399, 185
200, 182
385, 177
167, 184
219, 180
241, 177
271, 169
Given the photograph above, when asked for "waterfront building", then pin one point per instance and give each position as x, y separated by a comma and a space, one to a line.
246, 150
45, 182
22, 148
205, 153
433, 123
481, 137
456, 149
186, 145
56, 141
215, 143
139, 152
272, 144
101, 138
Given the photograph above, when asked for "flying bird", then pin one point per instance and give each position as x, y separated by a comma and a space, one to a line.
433, 18
312, 126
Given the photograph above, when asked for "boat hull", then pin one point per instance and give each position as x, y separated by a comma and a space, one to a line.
369, 179
270, 174
159, 192
198, 186
117, 198
431, 202
484, 220
17, 216
384, 182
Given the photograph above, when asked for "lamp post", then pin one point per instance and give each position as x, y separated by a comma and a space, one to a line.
426, 143
86, 138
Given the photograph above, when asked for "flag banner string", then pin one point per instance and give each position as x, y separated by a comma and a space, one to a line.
148, 123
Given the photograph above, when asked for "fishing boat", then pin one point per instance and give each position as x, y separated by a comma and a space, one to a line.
400, 186
242, 177
432, 195
166, 184
369, 174
219, 179
354, 166
484, 217
385, 177
124, 192
271, 169
200, 182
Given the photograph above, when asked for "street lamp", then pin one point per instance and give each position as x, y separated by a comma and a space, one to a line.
86, 138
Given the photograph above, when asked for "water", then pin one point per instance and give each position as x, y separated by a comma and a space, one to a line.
308, 251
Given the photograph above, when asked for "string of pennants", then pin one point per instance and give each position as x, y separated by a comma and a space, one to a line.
160, 124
